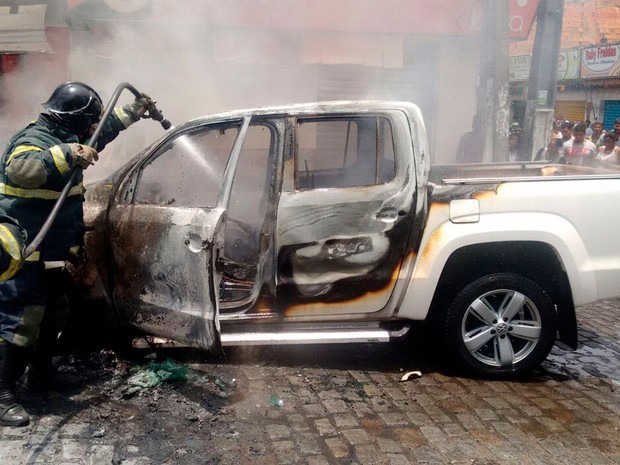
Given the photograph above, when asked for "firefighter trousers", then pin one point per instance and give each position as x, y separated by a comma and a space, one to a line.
33, 305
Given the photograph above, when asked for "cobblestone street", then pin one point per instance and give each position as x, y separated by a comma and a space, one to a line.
347, 405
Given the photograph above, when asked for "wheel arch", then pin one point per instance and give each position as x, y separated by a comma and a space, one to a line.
535, 260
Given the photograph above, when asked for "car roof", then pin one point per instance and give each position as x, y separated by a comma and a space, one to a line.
315, 108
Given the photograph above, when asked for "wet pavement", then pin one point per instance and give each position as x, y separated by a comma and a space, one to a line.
333, 405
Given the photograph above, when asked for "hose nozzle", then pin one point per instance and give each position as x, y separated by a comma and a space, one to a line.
156, 114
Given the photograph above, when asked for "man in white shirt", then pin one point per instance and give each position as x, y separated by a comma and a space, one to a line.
578, 150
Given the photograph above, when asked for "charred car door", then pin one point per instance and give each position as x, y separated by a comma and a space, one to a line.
165, 233
345, 214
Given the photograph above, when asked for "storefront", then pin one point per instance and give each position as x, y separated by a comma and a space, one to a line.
588, 84
243, 53
34, 50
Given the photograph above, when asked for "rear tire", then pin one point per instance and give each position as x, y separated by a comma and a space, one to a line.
500, 325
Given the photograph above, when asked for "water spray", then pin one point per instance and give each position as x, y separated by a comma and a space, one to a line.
152, 112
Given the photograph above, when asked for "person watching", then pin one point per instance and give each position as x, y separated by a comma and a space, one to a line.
566, 128
609, 152
578, 150
551, 152
597, 133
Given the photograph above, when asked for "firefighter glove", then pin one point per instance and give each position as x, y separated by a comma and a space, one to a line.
83, 155
140, 106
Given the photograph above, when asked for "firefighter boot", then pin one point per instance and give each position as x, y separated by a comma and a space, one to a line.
13, 361
44, 377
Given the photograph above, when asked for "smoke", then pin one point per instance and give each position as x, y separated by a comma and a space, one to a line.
210, 61
25, 88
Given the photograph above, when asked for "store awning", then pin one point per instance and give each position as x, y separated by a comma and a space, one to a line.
22, 29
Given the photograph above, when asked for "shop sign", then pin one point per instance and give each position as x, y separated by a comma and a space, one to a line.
522, 14
601, 61
519, 67
568, 64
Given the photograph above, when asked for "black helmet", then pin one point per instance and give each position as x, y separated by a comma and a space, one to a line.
75, 105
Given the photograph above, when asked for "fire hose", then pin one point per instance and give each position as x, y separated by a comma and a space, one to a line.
153, 113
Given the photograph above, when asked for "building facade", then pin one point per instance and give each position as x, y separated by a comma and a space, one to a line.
588, 65
202, 56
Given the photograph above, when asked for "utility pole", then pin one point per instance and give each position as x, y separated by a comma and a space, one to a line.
543, 75
492, 108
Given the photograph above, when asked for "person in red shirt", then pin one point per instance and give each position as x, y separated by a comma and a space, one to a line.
578, 150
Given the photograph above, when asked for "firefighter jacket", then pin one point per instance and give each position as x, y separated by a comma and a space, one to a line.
12, 243
34, 169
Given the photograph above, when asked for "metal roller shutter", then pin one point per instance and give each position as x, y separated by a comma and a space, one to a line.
611, 112
571, 110
409, 83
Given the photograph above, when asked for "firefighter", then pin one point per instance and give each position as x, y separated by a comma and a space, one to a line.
34, 168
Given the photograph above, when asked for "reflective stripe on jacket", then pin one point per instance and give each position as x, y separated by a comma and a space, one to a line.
34, 169
12, 242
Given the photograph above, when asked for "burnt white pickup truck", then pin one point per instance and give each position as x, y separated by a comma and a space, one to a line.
326, 223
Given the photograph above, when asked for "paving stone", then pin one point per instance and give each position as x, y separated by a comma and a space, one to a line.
278, 431
356, 436
398, 459
569, 413
429, 455
11, 449
325, 427
468, 421
101, 454
486, 414
395, 418
72, 449
137, 461
318, 460
314, 410
72, 430
338, 447
410, 437
362, 409
389, 445
286, 452
308, 444
345, 421
335, 406
369, 454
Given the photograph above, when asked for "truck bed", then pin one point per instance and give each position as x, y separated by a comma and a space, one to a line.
524, 171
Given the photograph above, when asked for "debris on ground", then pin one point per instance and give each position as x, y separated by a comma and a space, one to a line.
411, 375
275, 401
153, 375
215, 385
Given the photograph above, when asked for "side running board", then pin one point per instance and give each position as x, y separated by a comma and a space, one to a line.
289, 337
366, 335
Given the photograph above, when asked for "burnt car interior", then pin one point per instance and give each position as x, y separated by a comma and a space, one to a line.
188, 171
248, 230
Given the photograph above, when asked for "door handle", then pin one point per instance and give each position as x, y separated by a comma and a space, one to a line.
195, 243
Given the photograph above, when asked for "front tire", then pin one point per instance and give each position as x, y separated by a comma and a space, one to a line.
501, 325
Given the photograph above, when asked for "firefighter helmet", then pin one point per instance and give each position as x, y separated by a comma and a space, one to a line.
75, 105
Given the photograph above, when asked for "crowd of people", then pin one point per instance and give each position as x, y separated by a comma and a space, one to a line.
577, 143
